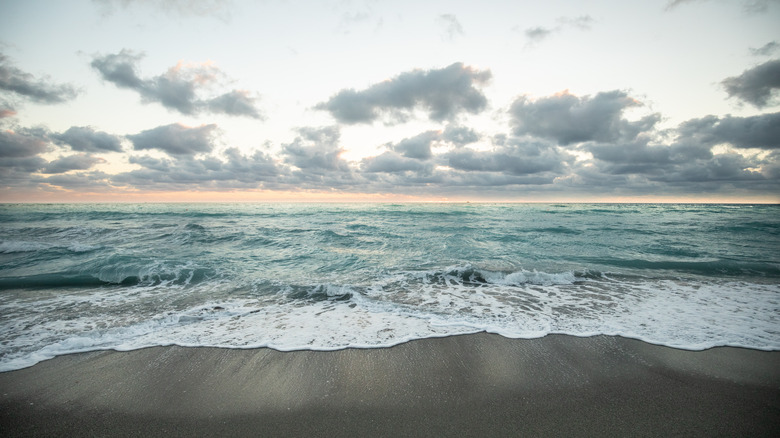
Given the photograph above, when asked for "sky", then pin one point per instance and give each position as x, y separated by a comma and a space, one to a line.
555, 101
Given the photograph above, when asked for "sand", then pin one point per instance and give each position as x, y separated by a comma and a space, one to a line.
473, 385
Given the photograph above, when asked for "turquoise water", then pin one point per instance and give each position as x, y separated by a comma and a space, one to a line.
77, 277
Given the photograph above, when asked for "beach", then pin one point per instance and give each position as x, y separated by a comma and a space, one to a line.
468, 385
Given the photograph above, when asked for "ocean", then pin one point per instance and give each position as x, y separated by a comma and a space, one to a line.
81, 277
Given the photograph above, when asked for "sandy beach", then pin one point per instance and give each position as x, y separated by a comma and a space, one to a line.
471, 385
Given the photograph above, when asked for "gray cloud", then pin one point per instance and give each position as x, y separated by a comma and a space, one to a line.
749, 6
417, 147
176, 89
72, 162
231, 171
19, 167
316, 150
220, 9
538, 34
16, 81
723, 168
234, 103
21, 144
414, 154
120, 69
583, 22
86, 139
516, 157
451, 25
688, 164
256, 167
392, 162
757, 6
633, 158
19, 156
568, 119
767, 49
756, 86
563, 144
88, 181
176, 139
762, 131
460, 135
627, 158
443, 93
674, 3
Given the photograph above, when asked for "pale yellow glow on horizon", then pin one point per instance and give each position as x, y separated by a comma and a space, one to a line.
263, 196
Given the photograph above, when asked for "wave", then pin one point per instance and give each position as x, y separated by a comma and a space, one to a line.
8, 247
719, 267
115, 270
320, 292
21, 246
129, 270
55, 280
469, 275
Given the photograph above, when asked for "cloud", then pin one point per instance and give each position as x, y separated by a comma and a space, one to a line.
756, 6
674, 3
15, 170
19, 156
392, 162
603, 154
767, 49
757, 86
564, 144
583, 22
419, 146
689, 164
568, 119
79, 181
633, 157
176, 139
762, 131
178, 88
234, 103
86, 139
749, 6
451, 26
460, 135
20, 145
538, 34
220, 9
316, 150
232, 170
26, 85
72, 162
443, 93
517, 157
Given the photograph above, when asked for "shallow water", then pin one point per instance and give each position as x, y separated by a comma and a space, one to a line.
78, 277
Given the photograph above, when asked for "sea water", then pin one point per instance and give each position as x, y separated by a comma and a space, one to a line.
80, 277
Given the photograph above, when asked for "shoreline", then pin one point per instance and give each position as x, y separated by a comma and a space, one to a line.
464, 385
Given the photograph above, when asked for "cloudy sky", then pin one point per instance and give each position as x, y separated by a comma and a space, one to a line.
186, 100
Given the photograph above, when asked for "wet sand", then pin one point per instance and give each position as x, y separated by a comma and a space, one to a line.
472, 385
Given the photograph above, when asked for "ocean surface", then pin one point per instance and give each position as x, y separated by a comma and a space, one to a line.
80, 277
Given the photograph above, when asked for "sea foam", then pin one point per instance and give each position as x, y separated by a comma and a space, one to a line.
327, 277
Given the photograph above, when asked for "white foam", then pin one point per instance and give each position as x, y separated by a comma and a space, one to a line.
397, 309
535, 277
81, 247
12, 246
